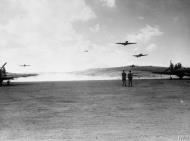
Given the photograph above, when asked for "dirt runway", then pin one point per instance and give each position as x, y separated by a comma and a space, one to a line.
153, 110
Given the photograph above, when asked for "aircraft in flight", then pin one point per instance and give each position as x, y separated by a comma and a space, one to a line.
126, 43
24, 65
6, 76
177, 70
140, 55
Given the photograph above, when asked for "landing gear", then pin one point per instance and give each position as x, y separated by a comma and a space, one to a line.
171, 77
8, 82
180, 75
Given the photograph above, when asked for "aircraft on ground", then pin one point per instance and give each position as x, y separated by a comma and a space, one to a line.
140, 55
24, 65
177, 70
132, 66
126, 43
6, 76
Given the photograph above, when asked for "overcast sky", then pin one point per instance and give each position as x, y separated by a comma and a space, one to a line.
52, 35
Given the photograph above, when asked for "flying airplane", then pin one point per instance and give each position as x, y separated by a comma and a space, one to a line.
6, 76
126, 43
177, 70
24, 65
140, 55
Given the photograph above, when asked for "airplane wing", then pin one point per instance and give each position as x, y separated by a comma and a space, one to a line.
24, 65
19, 75
174, 72
120, 43
187, 74
131, 43
162, 72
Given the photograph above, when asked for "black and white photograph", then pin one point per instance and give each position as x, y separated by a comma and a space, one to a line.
94, 70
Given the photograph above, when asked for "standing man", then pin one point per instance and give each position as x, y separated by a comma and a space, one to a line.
130, 79
123, 78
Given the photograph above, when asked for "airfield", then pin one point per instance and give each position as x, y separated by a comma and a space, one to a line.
156, 110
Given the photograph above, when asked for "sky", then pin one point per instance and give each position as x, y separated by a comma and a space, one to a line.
52, 35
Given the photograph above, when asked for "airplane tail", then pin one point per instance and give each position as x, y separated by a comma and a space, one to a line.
3, 66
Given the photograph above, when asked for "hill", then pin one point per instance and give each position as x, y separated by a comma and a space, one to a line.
115, 72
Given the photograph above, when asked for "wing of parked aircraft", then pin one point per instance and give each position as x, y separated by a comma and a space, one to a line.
6, 76
19, 75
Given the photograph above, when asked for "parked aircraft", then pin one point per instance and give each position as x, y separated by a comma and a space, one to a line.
177, 70
132, 66
6, 76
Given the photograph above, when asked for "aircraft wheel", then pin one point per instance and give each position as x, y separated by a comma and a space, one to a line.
8, 82
181, 77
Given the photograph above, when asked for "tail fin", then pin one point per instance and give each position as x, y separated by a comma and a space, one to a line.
4, 65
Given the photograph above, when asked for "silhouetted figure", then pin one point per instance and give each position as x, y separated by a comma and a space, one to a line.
130, 79
124, 78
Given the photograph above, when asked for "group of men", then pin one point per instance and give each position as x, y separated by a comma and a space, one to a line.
130, 79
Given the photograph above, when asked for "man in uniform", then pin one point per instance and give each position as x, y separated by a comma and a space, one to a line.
130, 79
123, 78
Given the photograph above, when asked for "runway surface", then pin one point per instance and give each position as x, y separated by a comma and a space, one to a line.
153, 110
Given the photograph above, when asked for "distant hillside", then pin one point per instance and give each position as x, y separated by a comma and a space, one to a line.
115, 72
